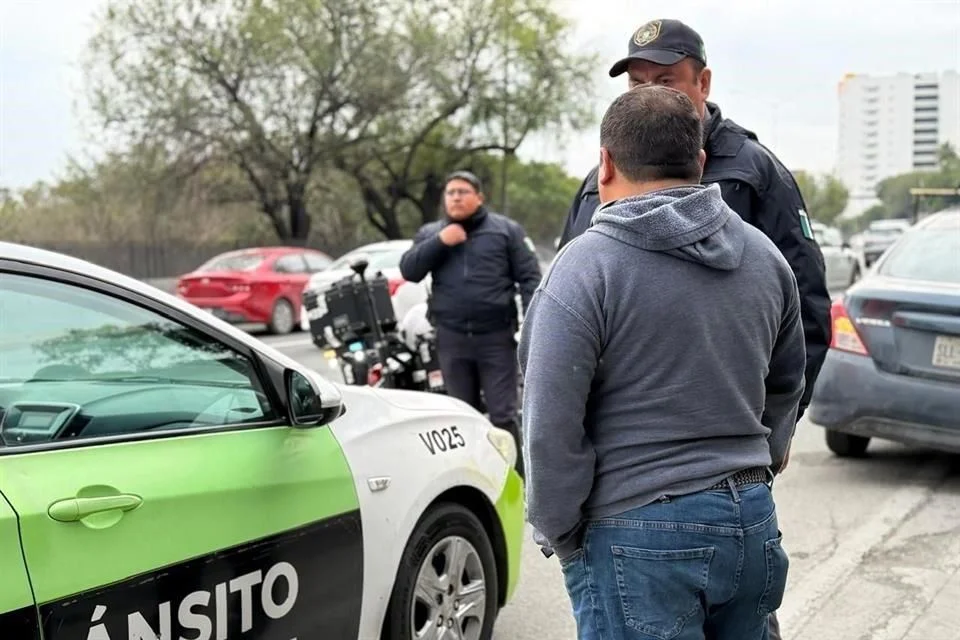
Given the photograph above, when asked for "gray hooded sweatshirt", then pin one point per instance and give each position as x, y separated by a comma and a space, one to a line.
662, 352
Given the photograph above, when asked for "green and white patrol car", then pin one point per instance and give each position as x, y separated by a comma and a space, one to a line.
164, 475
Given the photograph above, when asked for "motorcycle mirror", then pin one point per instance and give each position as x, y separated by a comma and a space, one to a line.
359, 264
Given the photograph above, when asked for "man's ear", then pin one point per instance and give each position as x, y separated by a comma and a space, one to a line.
702, 161
706, 78
607, 171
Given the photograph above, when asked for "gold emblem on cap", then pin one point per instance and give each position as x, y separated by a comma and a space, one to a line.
647, 33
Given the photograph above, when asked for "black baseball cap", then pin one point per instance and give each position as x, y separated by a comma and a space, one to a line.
663, 42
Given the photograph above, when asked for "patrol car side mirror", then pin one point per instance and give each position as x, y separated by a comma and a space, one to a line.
308, 404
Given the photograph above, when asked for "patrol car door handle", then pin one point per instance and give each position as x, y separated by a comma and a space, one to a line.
74, 509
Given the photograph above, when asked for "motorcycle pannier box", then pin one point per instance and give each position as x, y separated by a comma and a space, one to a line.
348, 309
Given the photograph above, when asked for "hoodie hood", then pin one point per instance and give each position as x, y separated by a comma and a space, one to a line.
691, 223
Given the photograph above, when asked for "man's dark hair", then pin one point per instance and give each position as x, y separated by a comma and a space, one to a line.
468, 177
653, 133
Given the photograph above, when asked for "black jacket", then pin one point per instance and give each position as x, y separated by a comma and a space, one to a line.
475, 283
763, 192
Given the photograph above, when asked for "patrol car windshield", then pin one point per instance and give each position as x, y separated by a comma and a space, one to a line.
54, 329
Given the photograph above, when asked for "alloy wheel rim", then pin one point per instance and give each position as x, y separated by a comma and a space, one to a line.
450, 595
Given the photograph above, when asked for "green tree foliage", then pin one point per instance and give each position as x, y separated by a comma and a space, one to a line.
500, 73
141, 200
894, 192
391, 93
825, 196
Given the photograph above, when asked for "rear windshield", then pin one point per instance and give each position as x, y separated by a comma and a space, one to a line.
234, 262
929, 254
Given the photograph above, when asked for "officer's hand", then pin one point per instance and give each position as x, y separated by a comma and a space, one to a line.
452, 235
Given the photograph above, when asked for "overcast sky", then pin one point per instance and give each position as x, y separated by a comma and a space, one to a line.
776, 65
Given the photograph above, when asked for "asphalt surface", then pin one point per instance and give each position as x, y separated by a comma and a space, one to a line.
873, 544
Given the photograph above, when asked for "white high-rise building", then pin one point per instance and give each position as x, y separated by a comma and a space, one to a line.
891, 125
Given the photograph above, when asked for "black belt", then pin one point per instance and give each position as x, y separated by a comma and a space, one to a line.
753, 475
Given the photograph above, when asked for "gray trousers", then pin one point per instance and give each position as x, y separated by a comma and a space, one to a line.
774, 625
483, 362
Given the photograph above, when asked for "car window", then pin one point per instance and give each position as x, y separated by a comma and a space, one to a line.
233, 262
290, 263
75, 363
929, 254
315, 261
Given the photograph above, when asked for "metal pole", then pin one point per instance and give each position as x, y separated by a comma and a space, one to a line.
506, 106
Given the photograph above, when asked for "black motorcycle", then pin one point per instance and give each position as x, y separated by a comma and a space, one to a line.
364, 335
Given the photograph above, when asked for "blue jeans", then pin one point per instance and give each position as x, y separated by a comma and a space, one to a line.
704, 566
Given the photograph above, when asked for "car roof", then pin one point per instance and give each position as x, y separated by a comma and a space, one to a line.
266, 251
383, 245
946, 219
892, 223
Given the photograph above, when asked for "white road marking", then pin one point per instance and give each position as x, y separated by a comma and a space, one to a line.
804, 599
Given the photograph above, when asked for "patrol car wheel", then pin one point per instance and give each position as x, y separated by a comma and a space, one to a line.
446, 586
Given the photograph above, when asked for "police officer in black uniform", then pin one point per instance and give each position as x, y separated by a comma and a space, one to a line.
477, 259
752, 180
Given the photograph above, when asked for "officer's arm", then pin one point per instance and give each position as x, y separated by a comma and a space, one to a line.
581, 206
524, 265
784, 383
427, 252
777, 214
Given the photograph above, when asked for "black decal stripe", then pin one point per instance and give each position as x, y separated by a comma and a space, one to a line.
20, 624
327, 556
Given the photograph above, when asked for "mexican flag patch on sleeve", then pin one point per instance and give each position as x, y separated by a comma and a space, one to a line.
805, 225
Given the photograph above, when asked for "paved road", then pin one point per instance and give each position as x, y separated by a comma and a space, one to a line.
874, 545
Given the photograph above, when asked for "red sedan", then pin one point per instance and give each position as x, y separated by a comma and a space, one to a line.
261, 285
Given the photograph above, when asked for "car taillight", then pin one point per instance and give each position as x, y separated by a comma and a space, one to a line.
393, 285
845, 336
374, 375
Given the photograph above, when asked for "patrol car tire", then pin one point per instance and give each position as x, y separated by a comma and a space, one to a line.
441, 522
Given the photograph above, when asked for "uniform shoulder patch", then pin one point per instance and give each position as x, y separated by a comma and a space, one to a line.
805, 224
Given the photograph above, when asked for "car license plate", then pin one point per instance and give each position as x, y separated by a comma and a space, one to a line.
946, 352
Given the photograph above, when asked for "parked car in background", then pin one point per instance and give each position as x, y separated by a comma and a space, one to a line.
261, 285
843, 268
878, 237
893, 368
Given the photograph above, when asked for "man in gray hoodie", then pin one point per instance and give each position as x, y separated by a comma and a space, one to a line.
663, 360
